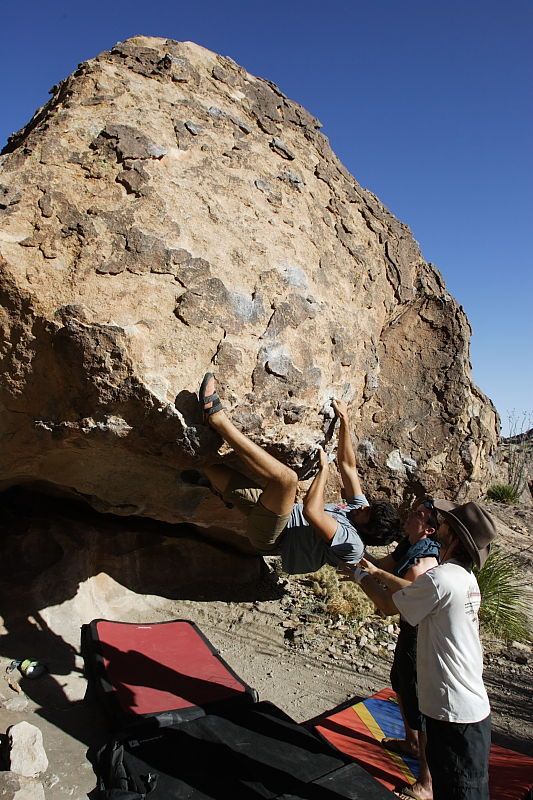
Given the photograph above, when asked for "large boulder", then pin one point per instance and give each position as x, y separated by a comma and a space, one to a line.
165, 213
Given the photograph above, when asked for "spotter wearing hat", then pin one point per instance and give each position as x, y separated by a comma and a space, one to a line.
472, 525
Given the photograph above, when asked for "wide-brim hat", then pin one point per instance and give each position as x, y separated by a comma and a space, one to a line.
473, 526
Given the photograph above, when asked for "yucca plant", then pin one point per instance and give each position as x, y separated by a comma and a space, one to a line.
504, 600
503, 493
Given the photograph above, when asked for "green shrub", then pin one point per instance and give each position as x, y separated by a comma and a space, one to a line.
503, 493
504, 599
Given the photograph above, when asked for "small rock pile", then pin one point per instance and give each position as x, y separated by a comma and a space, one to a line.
309, 627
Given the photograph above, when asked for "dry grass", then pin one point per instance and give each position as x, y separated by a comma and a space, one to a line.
342, 597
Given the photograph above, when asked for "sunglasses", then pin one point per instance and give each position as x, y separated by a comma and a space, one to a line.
434, 518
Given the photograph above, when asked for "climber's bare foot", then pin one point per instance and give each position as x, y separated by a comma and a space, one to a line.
414, 791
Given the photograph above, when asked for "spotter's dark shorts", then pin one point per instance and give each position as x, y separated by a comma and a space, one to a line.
458, 758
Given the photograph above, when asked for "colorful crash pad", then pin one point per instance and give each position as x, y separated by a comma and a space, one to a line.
357, 730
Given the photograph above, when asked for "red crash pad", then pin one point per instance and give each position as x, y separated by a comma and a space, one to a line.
165, 669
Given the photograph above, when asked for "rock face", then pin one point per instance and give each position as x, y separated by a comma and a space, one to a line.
167, 212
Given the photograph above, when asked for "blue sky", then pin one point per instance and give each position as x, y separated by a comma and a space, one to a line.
427, 102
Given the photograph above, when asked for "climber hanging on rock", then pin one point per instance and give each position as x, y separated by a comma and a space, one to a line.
307, 535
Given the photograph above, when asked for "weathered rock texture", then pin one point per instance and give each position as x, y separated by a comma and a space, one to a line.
16, 787
166, 213
27, 756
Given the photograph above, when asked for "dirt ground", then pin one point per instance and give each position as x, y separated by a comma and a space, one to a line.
284, 643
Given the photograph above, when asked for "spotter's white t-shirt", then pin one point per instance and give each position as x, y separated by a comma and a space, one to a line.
444, 603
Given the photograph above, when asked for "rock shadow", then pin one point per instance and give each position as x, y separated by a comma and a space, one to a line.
60, 557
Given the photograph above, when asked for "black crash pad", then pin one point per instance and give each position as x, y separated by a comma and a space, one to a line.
255, 753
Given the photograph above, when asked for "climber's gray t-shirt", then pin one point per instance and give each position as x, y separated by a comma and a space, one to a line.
302, 549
